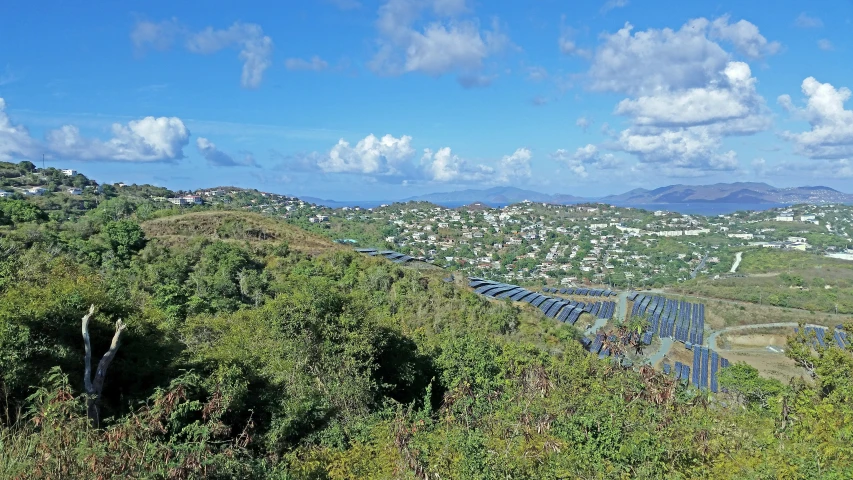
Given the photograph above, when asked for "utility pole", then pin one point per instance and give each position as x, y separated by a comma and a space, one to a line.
42, 161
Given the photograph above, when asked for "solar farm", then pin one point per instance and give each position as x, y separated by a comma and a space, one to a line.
706, 365
395, 257
680, 320
839, 336
562, 309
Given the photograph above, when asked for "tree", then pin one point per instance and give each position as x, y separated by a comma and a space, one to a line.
744, 381
27, 166
94, 386
124, 238
19, 211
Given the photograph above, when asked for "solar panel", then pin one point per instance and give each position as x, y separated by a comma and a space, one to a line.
520, 295
704, 375
685, 373
697, 364
539, 301
478, 283
484, 288
632, 296
570, 291
576, 313
678, 366
564, 313
365, 250
666, 369
714, 362
532, 298
544, 306
552, 312
510, 292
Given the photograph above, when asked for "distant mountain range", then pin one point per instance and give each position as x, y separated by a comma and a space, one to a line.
739, 192
742, 193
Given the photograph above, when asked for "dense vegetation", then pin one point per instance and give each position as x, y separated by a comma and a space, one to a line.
256, 350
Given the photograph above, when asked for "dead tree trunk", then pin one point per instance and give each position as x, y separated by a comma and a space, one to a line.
95, 386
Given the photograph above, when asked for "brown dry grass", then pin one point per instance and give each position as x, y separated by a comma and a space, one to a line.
235, 226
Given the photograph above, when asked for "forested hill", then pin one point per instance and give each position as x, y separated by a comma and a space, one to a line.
241, 347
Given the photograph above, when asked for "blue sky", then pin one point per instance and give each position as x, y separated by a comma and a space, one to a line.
359, 99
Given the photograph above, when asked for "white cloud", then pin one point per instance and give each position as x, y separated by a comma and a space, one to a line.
146, 140
217, 157
255, 47
824, 45
515, 167
444, 166
612, 4
583, 123
586, 156
15, 140
744, 36
730, 96
759, 166
567, 43
315, 64
805, 21
158, 35
682, 105
831, 134
686, 58
446, 45
371, 155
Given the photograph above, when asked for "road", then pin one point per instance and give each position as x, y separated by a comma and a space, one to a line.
699, 267
712, 338
738, 257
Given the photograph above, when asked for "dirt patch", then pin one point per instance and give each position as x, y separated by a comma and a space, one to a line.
772, 365
735, 340
678, 353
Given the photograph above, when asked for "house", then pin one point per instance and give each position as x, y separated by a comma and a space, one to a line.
69, 172
75, 191
4, 194
35, 191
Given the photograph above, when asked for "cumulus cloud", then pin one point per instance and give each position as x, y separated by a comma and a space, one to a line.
371, 155
683, 105
583, 123
446, 45
805, 21
831, 133
255, 47
586, 156
392, 159
217, 157
146, 140
824, 45
686, 58
15, 140
444, 166
315, 64
744, 36
515, 166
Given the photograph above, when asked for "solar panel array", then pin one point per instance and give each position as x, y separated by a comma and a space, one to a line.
395, 257
562, 309
681, 320
706, 366
838, 335
591, 292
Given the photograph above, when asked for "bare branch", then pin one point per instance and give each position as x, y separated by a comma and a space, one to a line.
87, 372
104, 364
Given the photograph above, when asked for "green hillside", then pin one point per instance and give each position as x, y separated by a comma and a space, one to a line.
253, 349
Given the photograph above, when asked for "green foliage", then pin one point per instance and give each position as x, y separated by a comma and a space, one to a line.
20, 211
254, 350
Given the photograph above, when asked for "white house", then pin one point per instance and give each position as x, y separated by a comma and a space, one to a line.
75, 191
4, 194
69, 172
36, 191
